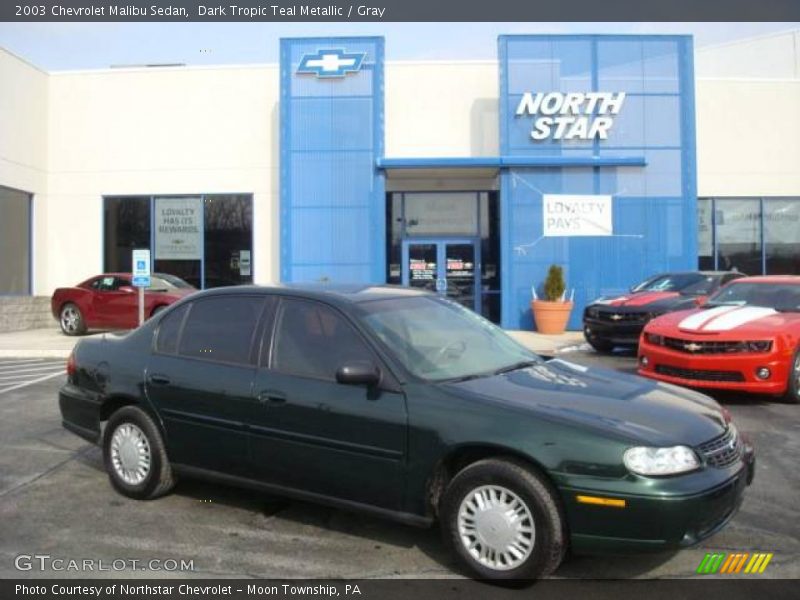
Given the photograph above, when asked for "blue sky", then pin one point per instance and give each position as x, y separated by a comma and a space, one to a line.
60, 46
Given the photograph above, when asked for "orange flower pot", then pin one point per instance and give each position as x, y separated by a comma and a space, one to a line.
551, 317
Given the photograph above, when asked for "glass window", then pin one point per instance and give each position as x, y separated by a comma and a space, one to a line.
221, 328
437, 339
738, 224
779, 296
169, 329
441, 213
228, 229
15, 241
127, 226
677, 282
705, 235
782, 235
313, 340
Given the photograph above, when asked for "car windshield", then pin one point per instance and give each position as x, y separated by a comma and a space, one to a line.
439, 340
162, 281
784, 297
685, 283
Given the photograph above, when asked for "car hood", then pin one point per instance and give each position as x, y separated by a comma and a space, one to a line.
625, 406
727, 322
650, 300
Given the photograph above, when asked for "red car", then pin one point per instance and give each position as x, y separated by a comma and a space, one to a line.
109, 301
745, 338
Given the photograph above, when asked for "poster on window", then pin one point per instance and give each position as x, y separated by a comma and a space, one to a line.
576, 215
178, 228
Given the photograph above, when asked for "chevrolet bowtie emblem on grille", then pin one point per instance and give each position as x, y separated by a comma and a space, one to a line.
615, 317
331, 63
692, 347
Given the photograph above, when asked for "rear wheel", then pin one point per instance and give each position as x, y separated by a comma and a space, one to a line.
135, 456
71, 320
503, 521
793, 385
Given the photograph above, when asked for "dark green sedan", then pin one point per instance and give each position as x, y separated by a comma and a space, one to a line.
405, 405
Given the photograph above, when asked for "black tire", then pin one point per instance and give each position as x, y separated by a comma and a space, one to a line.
71, 320
601, 346
159, 478
548, 541
792, 395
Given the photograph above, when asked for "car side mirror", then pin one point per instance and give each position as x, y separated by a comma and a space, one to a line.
359, 372
700, 300
127, 289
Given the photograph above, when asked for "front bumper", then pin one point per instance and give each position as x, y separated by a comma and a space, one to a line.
655, 523
80, 412
619, 334
684, 369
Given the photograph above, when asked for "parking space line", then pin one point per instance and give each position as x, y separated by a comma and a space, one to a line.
20, 361
32, 369
27, 383
11, 379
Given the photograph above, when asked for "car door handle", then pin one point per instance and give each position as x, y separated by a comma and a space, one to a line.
271, 397
157, 379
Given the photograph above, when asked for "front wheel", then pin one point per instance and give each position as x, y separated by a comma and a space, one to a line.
71, 320
135, 456
793, 385
503, 521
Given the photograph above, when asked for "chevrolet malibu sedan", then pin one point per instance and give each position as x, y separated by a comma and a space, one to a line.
746, 338
408, 406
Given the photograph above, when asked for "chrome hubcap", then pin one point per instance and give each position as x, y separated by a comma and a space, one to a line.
496, 527
70, 319
130, 454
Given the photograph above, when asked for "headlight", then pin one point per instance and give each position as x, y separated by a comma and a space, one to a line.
654, 338
760, 346
660, 461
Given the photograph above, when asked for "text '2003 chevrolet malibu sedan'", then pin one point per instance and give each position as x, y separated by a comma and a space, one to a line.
409, 406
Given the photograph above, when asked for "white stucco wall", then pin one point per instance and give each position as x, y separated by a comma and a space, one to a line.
158, 131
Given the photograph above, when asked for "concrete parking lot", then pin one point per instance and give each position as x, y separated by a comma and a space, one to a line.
55, 499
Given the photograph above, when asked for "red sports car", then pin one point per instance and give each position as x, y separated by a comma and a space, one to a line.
745, 338
109, 301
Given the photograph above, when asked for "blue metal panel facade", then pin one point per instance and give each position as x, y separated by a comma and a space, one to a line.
332, 194
654, 205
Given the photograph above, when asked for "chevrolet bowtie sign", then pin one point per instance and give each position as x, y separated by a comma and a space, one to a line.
331, 63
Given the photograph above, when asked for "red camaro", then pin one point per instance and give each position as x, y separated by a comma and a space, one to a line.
745, 338
110, 302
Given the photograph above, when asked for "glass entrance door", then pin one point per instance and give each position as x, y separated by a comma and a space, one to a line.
449, 267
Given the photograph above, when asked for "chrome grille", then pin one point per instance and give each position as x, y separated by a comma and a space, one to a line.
703, 347
723, 450
623, 317
700, 374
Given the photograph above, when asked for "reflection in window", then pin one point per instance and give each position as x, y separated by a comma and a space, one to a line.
127, 226
782, 235
221, 328
705, 237
311, 340
228, 228
738, 224
15, 241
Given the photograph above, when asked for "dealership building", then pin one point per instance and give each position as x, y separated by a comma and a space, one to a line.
616, 157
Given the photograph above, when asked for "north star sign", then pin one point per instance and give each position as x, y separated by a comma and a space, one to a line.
571, 115
331, 63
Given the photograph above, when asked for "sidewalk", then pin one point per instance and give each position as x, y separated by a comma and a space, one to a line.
51, 343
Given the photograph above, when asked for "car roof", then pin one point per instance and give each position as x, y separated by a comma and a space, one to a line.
342, 293
791, 279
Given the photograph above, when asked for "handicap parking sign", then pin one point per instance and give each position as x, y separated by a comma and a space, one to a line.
141, 268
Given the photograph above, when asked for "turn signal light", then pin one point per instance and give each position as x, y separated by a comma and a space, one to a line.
600, 501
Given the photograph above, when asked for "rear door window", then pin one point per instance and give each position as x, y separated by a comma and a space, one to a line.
169, 329
221, 328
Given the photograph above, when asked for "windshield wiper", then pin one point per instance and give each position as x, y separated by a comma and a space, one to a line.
516, 366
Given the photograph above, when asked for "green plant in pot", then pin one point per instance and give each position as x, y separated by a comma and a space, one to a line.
551, 314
